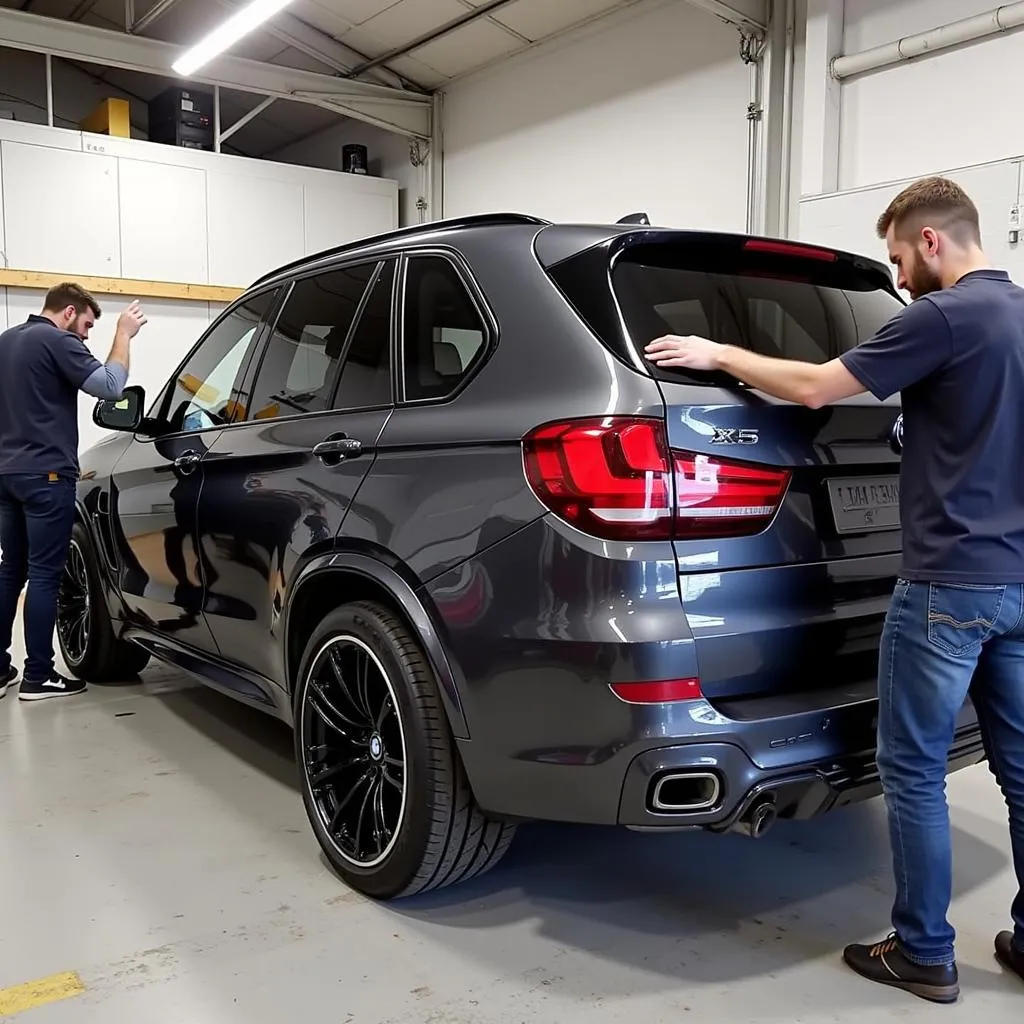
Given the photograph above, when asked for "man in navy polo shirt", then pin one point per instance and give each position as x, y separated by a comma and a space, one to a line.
44, 363
956, 355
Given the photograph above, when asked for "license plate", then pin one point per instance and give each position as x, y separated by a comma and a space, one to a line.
865, 504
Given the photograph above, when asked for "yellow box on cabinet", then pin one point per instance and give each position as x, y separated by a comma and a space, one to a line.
111, 117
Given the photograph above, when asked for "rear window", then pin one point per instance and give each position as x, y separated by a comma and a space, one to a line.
787, 307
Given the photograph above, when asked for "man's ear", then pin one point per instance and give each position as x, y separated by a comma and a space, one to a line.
930, 237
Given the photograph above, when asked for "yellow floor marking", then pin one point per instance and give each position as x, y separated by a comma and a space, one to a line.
19, 998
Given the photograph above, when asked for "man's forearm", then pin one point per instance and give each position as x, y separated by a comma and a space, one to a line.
782, 378
120, 351
807, 384
108, 381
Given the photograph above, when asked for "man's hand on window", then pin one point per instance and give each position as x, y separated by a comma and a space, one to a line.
690, 353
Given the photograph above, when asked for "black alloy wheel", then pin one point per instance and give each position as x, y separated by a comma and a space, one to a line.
383, 784
74, 608
354, 751
86, 633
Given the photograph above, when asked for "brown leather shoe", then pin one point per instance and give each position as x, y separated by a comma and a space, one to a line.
885, 964
1008, 954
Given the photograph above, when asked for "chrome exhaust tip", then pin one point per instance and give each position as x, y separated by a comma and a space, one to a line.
758, 820
686, 792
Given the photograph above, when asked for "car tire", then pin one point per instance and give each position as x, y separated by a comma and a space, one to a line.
88, 643
368, 714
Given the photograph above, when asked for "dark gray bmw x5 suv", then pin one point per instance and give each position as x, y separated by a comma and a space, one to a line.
423, 498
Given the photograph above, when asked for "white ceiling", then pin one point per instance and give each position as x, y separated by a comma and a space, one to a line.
366, 29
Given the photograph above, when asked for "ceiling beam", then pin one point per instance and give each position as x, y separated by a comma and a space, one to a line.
158, 10
308, 39
246, 118
747, 15
82, 9
428, 37
406, 113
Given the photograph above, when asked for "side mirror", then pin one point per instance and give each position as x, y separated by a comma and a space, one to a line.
124, 413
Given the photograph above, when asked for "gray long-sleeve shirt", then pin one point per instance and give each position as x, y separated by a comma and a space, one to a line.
106, 381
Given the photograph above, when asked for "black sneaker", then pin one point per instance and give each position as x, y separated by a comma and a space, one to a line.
1008, 954
10, 676
885, 963
56, 686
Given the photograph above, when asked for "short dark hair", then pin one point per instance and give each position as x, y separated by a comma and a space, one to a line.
932, 202
61, 296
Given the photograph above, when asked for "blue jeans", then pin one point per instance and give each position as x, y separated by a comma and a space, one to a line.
37, 516
942, 641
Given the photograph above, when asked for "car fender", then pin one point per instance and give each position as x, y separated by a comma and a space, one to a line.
410, 602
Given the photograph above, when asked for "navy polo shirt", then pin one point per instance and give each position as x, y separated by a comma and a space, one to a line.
41, 371
957, 358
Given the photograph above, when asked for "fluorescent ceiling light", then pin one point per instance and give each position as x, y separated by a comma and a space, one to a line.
222, 38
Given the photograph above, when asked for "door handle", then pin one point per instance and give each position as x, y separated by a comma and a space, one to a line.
187, 461
337, 448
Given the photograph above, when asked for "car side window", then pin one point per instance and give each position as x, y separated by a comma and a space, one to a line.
300, 363
366, 372
201, 395
443, 332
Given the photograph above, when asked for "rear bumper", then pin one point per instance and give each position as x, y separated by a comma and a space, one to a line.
805, 765
798, 792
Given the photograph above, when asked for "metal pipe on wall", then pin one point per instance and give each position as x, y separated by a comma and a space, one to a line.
752, 49
49, 89
436, 161
788, 103
753, 146
968, 30
216, 119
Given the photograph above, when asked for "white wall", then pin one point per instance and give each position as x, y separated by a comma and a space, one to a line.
145, 211
163, 213
640, 111
388, 156
847, 219
953, 109
859, 141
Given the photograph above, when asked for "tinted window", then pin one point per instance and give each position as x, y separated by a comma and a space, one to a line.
200, 395
301, 360
366, 373
805, 312
443, 333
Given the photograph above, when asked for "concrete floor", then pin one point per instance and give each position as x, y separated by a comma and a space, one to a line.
154, 842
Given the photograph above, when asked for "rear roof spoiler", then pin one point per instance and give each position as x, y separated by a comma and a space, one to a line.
559, 242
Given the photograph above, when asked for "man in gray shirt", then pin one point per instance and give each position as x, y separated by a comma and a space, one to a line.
44, 364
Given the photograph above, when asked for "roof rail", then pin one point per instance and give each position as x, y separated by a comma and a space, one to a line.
473, 221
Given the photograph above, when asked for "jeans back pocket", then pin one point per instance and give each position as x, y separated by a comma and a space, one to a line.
961, 616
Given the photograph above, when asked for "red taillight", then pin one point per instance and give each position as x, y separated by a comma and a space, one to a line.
663, 691
718, 498
807, 252
616, 478
609, 477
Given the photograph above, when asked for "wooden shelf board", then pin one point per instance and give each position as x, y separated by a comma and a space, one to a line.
43, 281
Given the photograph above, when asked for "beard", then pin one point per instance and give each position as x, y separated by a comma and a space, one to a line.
922, 280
